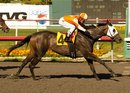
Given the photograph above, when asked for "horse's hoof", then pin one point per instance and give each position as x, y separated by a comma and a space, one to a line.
98, 79
114, 75
12, 76
36, 78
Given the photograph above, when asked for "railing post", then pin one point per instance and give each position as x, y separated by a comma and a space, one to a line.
97, 43
37, 27
16, 32
112, 52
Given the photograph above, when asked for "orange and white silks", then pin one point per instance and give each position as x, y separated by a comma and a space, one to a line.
71, 22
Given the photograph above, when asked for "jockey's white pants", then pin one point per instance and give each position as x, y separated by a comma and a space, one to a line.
65, 24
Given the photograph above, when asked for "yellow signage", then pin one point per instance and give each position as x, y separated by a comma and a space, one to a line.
61, 37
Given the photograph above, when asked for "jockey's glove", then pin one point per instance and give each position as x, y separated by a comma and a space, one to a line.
88, 34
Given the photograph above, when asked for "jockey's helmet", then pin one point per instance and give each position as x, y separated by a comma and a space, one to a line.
83, 15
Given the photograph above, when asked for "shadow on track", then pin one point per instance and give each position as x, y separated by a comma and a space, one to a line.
78, 76
11, 67
101, 76
8, 67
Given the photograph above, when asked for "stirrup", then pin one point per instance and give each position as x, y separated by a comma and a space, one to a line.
72, 54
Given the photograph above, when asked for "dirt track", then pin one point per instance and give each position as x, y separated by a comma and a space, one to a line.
65, 78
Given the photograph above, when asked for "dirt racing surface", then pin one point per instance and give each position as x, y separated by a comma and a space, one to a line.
65, 78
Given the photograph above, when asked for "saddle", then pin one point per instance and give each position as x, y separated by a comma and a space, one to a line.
71, 45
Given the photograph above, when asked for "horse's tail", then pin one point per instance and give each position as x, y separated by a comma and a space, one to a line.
19, 44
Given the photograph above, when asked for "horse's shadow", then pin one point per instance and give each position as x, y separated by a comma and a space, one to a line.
79, 76
8, 67
11, 67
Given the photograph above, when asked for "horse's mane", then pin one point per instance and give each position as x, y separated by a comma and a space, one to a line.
101, 24
90, 26
87, 27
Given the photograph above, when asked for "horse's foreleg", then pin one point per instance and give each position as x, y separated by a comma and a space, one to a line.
90, 63
32, 65
108, 68
95, 58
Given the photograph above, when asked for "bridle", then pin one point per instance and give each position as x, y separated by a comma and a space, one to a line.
112, 32
1, 22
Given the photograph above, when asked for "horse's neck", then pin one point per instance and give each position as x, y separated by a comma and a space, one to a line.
85, 38
98, 32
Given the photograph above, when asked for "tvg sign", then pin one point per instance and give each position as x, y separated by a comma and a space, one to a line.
15, 15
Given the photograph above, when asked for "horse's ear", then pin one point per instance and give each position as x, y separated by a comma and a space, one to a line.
108, 21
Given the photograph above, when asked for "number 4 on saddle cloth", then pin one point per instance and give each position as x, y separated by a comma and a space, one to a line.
71, 45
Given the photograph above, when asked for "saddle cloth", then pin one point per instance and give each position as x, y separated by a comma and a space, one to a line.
61, 36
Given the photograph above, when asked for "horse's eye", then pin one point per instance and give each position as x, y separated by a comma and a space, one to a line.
114, 30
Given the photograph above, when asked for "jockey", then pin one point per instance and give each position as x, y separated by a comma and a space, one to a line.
72, 22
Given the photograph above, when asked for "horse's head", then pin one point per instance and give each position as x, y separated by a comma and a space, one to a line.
103, 29
3, 25
110, 31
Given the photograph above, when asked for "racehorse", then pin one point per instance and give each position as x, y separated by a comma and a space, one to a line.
40, 42
3, 25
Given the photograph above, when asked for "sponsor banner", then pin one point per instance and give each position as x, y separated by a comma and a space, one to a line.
25, 16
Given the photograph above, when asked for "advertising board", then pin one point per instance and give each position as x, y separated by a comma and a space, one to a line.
25, 16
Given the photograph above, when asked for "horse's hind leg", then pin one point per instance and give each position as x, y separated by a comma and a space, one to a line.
24, 63
39, 54
32, 65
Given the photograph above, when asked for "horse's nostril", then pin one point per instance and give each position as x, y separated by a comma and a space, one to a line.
120, 39
7, 29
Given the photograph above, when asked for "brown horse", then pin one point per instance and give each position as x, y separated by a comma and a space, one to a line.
3, 25
40, 42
